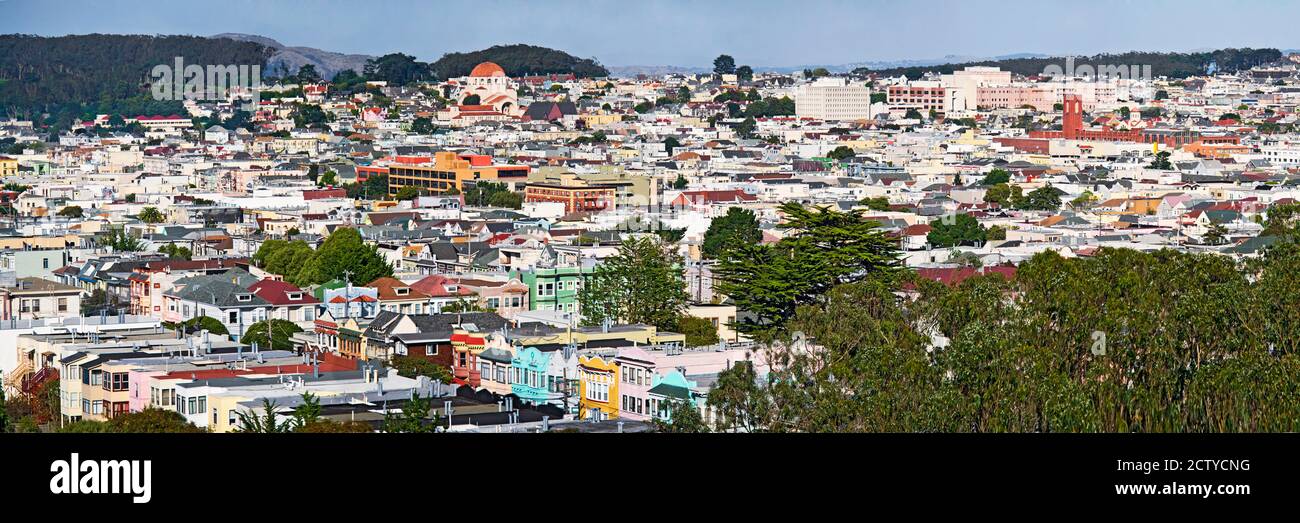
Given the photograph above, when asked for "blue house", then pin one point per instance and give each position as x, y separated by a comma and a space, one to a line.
669, 388
530, 378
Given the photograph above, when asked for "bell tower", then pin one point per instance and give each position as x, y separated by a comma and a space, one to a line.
1072, 116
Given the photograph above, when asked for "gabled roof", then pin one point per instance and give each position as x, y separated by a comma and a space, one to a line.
390, 287
279, 292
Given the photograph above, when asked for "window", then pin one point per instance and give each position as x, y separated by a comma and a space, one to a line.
598, 391
233, 317
493, 303
115, 381
546, 289
63, 305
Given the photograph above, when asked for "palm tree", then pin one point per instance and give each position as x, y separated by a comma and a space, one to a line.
264, 424
151, 215
308, 411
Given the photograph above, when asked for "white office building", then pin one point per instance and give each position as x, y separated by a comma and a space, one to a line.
833, 99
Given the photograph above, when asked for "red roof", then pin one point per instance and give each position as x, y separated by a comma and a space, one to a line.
436, 285
733, 195
955, 275
920, 229
487, 69
468, 339
388, 287
317, 194
277, 292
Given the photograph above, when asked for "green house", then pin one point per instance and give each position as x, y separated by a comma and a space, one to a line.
553, 289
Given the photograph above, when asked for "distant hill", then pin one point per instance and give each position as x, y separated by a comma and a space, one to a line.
517, 60
83, 75
1173, 65
626, 71
327, 63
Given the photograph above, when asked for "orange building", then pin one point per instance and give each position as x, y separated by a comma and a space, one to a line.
576, 197
449, 170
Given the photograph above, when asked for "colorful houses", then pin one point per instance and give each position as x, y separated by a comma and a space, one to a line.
544, 377
554, 289
597, 388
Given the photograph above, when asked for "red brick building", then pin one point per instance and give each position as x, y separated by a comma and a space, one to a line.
576, 198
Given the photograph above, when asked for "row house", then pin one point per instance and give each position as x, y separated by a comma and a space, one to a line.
238, 300
151, 280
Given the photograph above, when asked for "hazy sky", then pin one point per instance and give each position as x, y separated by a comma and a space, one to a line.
691, 33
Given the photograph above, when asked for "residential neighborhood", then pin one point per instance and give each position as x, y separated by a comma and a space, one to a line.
491, 245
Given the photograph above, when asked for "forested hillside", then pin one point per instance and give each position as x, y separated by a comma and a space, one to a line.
518, 60
1174, 65
72, 76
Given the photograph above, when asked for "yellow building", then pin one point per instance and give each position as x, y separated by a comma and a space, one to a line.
598, 119
450, 171
597, 388
8, 166
630, 189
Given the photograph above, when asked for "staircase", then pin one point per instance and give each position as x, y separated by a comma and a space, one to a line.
34, 381
13, 382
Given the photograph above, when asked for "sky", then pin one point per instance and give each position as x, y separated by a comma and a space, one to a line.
691, 33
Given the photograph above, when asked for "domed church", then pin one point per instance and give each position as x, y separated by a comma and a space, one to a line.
493, 87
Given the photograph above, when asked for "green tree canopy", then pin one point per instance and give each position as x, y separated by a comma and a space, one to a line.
150, 420
736, 226
1046, 198
1161, 161
643, 283
412, 367
699, 331
878, 203
422, 125
951, 231
841, 153
199, 323
996, 176
1004, 195
683, 418
824, 248
271, 334
344, 252
724, 64
176, 252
